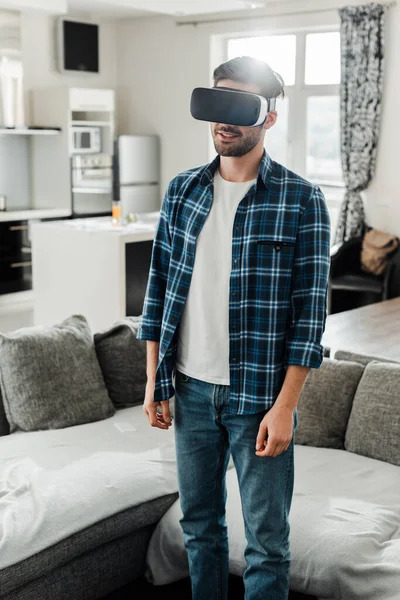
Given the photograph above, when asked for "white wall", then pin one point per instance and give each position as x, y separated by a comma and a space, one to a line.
39, 57
159, 63
158, 66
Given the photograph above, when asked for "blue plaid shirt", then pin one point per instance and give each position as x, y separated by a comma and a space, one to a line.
278, 280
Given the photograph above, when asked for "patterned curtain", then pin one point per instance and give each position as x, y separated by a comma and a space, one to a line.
362, 56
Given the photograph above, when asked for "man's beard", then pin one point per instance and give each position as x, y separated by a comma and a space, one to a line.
241, 146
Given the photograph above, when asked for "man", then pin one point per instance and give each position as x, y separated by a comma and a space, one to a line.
235, 309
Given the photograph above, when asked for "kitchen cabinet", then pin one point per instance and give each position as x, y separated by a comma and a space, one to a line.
93, 100
15, 257
89, 267
137, 265
15, 249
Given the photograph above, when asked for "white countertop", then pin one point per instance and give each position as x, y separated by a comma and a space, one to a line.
33, 213
143, 229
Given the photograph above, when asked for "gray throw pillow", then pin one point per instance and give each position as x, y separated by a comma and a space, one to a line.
363, 359
325, 404
374, 424
50, 377
122, 358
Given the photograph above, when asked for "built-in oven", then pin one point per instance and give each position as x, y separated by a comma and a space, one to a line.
86, 139
92, 184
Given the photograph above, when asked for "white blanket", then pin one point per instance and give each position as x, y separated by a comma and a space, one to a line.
55, 483
345, 529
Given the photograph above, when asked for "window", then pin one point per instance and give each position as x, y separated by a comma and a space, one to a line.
306, 137
279, 51
322, 58
323, 139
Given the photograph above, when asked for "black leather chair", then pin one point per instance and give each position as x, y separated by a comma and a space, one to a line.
351, 287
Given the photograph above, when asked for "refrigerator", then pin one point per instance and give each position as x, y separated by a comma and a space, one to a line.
136, 180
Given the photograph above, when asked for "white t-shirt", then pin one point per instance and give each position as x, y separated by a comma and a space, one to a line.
203, 343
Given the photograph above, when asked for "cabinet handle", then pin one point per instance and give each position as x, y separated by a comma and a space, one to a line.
18, 227
27, 263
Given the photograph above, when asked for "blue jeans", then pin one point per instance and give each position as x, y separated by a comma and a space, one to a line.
205, 435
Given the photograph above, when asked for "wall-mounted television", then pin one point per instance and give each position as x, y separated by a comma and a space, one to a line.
77, 46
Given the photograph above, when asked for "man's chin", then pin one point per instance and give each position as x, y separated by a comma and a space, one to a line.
232, 150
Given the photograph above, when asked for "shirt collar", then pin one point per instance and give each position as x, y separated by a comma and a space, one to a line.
264, 171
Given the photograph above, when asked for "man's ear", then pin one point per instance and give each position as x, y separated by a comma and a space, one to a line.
271, 119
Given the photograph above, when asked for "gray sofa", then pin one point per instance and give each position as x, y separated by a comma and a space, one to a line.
109, 465
58, 556
91, 563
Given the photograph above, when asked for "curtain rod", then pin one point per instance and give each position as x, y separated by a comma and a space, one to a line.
292, 14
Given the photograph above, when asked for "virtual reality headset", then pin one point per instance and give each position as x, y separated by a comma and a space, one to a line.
230, 106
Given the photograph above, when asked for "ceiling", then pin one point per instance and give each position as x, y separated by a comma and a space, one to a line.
177, 8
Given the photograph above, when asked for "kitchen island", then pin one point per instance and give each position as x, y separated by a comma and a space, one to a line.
92, 268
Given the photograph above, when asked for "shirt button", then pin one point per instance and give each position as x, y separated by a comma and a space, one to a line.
235, 260
237, 227
233, 293
234, 359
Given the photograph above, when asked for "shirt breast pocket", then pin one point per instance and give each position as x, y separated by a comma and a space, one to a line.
274, 260
275, 245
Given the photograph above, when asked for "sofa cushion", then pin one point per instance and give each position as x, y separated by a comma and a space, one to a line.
325, 403
374, 425
363, 359
50, 377
122, 359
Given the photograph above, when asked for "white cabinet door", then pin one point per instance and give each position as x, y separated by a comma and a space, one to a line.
88, 99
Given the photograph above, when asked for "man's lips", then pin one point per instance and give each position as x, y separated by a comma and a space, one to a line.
227, 136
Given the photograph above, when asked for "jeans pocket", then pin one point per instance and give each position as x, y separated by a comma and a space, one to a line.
182, 377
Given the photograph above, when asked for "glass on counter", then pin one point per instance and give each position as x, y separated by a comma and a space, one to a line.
116, 213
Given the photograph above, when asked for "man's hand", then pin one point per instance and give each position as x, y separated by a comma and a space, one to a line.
156, 419
277, 426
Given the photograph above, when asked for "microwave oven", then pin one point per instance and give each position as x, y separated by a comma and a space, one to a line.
86, 140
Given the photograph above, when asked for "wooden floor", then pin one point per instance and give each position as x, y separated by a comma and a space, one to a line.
179, 591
